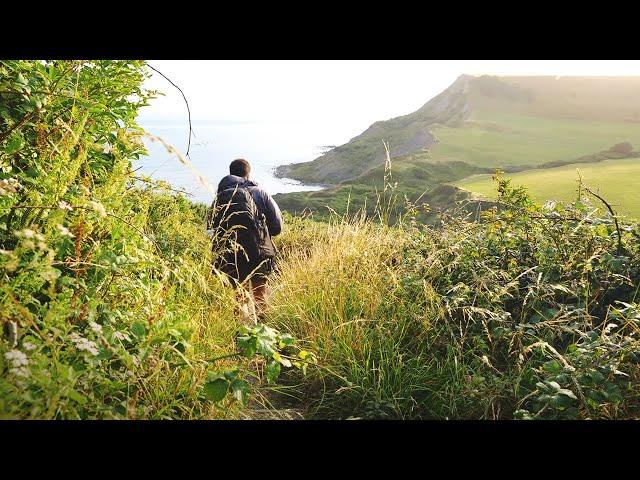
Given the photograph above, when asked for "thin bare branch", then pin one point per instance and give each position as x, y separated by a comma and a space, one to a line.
185, 101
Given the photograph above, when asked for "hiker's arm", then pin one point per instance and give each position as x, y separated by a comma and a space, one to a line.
273, 214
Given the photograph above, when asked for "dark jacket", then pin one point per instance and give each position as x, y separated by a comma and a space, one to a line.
264, 202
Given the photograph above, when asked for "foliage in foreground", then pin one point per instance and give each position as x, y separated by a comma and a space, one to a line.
530, 313
108, 305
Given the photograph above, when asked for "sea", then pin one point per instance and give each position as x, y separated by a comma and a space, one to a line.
265, 145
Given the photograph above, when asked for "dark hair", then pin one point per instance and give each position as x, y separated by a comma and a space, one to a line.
239, 167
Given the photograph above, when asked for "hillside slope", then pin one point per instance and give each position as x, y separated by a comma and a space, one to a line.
476, 125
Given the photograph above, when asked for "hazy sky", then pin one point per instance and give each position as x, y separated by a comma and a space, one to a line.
345, 92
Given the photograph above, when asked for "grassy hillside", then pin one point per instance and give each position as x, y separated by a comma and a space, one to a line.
616, 180
413, 176
495, 121
478, 123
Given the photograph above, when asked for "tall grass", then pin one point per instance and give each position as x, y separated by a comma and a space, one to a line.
529, 313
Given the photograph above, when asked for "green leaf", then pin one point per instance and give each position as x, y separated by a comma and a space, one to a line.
14, 144
286, 340
278, 358
560, 402
240, 390
554, 385
230, 374
247, 345
76, 396
568, 393
553, 366
216, 390
138, 329
273, 371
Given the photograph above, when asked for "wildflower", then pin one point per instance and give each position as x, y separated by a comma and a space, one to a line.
50, 275
64, 231
29, 346
26, 233
98, 207
9, 185
85, 344
97, 328
120, 336
20, 371
64, 205
107, 148
16, 358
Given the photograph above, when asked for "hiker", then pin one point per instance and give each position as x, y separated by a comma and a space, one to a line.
244, 217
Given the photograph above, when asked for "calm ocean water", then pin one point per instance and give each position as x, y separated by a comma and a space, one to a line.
264, 145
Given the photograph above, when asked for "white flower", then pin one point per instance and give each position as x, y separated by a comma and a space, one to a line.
107, 148
64, 205
64, 231
17, 358
28, 233
20, 371
9, 185
28, 346
97, 328
98, 207
82, 343
120, 336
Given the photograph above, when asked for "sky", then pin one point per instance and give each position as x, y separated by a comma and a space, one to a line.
341, 92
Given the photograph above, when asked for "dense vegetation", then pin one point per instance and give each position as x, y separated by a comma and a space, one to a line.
110, 309
108, 304
531, 312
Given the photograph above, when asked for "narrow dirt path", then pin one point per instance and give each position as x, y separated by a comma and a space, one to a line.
267, 403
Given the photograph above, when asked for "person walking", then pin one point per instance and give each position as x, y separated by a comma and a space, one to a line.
243, 218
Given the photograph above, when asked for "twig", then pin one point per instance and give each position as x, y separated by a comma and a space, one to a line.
17, 125
185, 101
613, 214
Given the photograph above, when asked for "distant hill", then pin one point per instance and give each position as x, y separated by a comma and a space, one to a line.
476, 125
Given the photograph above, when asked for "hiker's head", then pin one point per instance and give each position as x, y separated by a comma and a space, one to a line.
240, 167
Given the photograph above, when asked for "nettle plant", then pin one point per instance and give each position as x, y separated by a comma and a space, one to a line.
275, 349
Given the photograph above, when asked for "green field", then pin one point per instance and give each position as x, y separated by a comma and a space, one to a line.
500, 139
618, 181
